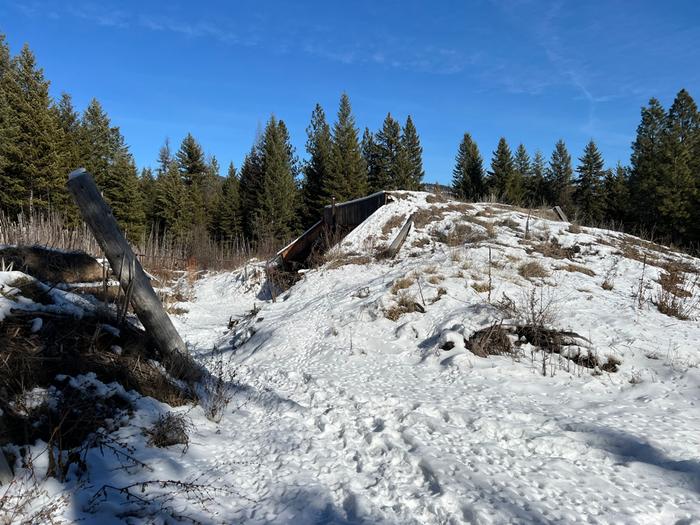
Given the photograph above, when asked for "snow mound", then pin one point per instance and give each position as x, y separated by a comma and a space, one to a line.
359, 395
352, 417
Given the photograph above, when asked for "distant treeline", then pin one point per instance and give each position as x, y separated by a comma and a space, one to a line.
275, 195
659, 192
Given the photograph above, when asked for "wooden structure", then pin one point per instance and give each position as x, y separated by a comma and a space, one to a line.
398, 241
338, 220
560, 213
133, 280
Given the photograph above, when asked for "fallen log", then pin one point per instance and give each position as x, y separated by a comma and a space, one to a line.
131, 276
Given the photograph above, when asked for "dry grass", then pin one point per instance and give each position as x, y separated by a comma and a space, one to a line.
553, 249
156, 251
482, 287
461, 234
608, 284
421, 242
425, 216
434, 198
533, 270
401, 284
394, 222
343, 259
435, 279
440, 292
461, 207
405, 304
509, 223
676, 295
577, 268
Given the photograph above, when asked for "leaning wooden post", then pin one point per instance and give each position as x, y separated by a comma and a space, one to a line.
147, 306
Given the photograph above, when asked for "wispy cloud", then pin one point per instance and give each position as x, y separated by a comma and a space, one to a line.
290, 37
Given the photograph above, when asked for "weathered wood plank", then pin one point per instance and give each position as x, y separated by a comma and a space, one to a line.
398, 241
128, 270
560, 213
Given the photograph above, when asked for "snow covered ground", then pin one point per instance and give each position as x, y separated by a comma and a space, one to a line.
341, 415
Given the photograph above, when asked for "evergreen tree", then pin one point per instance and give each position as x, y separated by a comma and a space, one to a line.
521, 172
647, 164
106, 156
391, 159
587, 195
212, 186
228, 216
317, 170
251, 187
124, 195
275, 215
414, 155
348, 172
616, 202
147, 189
171, 207
96, 146
370, 153
468, 173
165, 157
678, 187
30, 135
502, 174
191, 161
559, 178
535, 188
68, 149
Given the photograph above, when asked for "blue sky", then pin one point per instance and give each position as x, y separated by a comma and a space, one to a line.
532, 71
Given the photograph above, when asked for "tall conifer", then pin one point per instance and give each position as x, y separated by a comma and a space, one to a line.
502, 172
317, 170
414, 156
468, 173
348, 173
559, 178
587, 195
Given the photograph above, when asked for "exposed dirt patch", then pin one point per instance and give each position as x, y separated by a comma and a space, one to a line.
52, 266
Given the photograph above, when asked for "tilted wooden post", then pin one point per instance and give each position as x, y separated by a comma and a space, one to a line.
128, 270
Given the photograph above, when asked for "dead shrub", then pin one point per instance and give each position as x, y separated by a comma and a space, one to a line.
436, 279
19, 502
170, 429
533, 270
577, 268
492, 340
